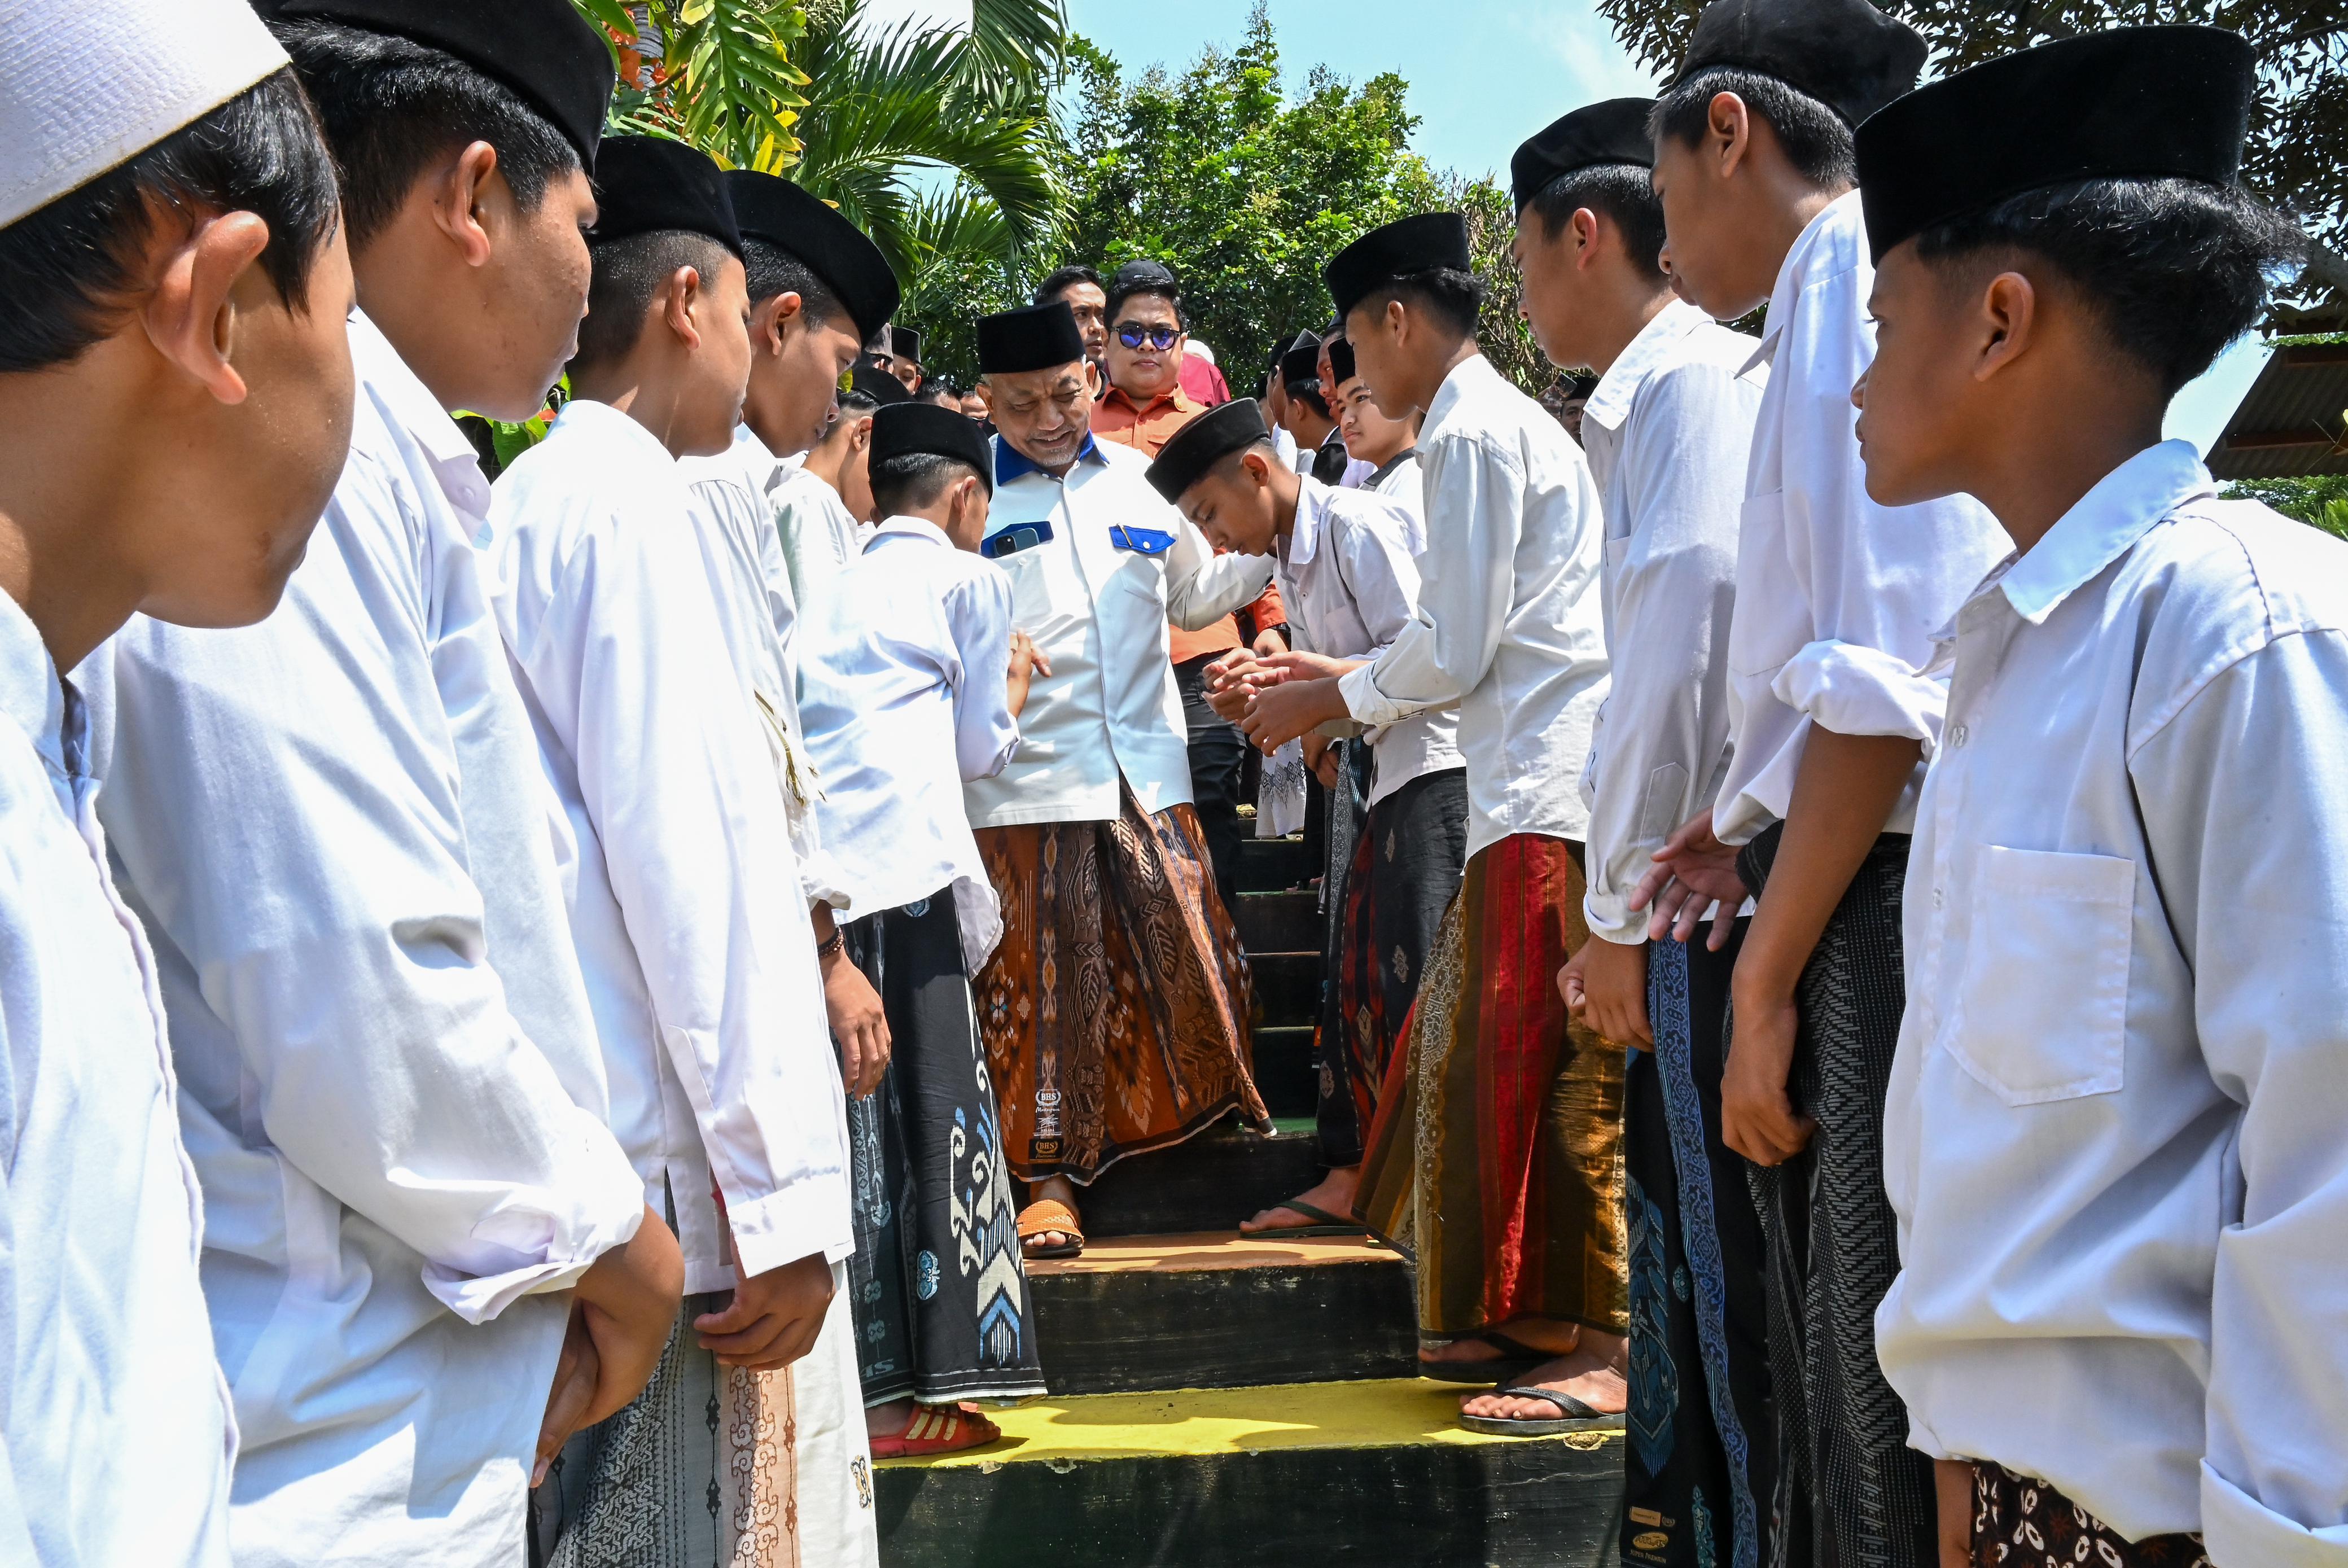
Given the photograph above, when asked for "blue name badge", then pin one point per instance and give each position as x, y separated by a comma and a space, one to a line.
1014, 538
1141, 541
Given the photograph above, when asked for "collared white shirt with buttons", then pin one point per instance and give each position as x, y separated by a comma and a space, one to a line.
1668, 430
1348, 571
1509, 623
1098, 609
335, 828
685, 904
115, 1432
1837, 597
2114, 1132
817, 538
907, 700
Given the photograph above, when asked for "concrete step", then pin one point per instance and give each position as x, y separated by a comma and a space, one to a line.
1284, 1073
1210, 1183
1287, 987
1279, 922
1213, 1310
1377, 1474
1272, 865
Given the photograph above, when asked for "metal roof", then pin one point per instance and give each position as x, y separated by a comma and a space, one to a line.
2290, 422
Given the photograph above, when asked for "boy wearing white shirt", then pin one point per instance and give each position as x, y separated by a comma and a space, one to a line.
687, 902
1837, 599
1115, 1006
1667, 429
1389, 447
2112, 1137
1347, 567
175, 386
401, 1084
906, 700
1495, 1154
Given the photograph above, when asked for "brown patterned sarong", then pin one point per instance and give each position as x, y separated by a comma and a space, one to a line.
1116, 1009
2020, 1523
1495, 1159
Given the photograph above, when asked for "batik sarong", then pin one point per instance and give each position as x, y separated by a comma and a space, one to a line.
1402, 871
1700, 1460
713, 1467
2019, 1523
1850, 1491
1116, 1009
939, 1291
1496, 1156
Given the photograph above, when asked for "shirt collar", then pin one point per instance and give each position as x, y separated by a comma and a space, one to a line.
410, 405
1010, 463
602, 422
30, 692
1469, 378
1610, 403
1174, 395
1836, 238
2103, 526
1304, 534
900, 526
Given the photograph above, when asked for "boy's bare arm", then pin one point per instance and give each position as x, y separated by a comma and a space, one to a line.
1843, 795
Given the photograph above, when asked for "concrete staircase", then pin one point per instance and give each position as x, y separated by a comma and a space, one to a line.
1223, 1402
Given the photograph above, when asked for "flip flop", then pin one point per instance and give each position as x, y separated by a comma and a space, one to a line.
1578, 1416
1046, 1214
937, 1429
1515, 1360
1324, 1223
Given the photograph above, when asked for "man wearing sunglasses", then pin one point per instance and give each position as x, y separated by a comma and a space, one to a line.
1145, 403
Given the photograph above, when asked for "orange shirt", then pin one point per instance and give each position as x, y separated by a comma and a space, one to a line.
1116, 417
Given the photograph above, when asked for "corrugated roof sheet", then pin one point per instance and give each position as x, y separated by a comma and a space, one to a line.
2290, 422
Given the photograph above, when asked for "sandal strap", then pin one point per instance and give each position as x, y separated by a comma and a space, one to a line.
1573, 1408
1046, 1214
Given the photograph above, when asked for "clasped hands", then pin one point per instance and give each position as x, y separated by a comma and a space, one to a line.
1281, 698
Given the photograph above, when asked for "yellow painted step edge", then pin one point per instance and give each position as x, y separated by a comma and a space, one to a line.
1390, 1413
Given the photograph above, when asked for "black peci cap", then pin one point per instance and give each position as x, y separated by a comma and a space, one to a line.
544, 50
867, 377
901, 429
1846, 54
775, 211
1038, 338
1614, 131
1341, 362
904, 343
1300, 364
1205, 441
1396, 250
2143, 103
649, 184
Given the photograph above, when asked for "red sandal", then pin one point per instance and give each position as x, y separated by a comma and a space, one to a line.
938, 1429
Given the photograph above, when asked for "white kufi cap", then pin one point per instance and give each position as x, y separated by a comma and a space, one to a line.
93, 83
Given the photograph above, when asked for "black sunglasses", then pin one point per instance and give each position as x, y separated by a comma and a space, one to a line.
1162, 336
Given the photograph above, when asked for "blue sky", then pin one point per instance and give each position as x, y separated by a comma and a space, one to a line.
1484, 75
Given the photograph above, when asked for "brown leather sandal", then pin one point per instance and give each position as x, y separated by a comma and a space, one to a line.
1045, 1216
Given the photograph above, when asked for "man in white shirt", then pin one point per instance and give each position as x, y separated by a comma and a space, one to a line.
2113, 1136
687, 902
1837, 599
1348, 564
1667, 430
1500, 1163
391, 1069
1388, 447
907, 698
172, 286
1115, 1009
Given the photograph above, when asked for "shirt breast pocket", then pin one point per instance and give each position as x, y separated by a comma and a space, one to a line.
2043, 1004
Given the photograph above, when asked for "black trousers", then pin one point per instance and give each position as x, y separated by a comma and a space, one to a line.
1218, 751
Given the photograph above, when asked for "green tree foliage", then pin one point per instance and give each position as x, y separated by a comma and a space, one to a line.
2321, 501
2298, 152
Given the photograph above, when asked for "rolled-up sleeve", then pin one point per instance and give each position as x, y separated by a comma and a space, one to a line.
2251, 854
1464, 589
285, 802
628, 669
1202, 587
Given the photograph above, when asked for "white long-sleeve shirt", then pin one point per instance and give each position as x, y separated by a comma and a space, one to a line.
686, 903
115, 1431
1098, 610
907, 700
816, 538
1348, 573
335, 828
1668, 430
2114, 1131
1837, 597
1509, 622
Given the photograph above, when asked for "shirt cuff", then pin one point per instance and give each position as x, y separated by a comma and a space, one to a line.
1853, 689
542, 1239
2238, 1532
807, 1217
1610, 917
1366, 702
